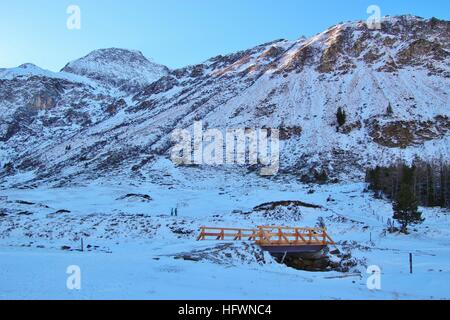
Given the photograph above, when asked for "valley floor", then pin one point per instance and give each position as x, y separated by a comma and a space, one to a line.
132, 246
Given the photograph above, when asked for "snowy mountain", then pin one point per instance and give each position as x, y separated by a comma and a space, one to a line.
296, 86
28, 70
86, 179
124, 69
40, 107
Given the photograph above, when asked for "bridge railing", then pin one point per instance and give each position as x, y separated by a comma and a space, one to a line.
270, 235
227, 234
281, 236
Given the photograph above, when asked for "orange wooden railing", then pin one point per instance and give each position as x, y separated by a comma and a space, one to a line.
270, 236
227, 234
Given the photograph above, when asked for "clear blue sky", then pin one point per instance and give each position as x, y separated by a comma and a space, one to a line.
175, 32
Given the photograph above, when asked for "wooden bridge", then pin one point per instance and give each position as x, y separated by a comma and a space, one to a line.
276, 240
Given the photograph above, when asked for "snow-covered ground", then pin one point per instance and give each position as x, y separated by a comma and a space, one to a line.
132, 246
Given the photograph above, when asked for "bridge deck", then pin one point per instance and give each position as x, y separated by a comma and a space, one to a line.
273, 239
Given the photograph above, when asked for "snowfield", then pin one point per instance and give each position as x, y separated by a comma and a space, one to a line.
134, 248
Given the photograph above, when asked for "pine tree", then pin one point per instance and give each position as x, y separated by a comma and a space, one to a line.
389, 110
442, 202
374, 180
430, 187
341, 117
405, 205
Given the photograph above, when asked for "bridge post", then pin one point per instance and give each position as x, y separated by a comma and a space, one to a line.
280, 235
284, 257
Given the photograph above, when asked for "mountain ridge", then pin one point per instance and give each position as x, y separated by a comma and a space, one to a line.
295, 86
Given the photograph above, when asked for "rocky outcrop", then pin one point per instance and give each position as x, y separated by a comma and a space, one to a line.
403, 134
43, 101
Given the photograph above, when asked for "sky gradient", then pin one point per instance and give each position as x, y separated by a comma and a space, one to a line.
175, 32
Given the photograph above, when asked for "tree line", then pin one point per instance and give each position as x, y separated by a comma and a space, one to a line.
430, 182
424, 183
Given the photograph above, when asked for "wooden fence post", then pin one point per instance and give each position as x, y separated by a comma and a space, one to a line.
411, 263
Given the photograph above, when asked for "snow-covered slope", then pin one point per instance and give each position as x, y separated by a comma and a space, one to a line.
84, 155
40, 108
136, 250
28, 70
296, 86
125, 69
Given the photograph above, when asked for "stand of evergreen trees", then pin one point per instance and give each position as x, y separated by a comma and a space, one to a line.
429, 182
341, 117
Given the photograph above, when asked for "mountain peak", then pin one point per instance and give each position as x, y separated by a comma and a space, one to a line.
28, 66
125, 69
116, 54
25, 70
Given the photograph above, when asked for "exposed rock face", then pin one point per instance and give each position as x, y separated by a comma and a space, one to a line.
422, 49
342, 46
303, 57
43, 102
334, 50
32, 103
287, 133
272, 52
114, 111
403, 134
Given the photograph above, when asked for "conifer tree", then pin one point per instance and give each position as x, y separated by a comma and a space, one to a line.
430, 187
374, 179
341, 117
405, 205
442, 194
389, 110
